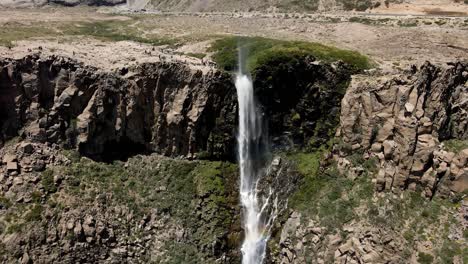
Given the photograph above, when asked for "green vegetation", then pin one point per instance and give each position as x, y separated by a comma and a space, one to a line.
424, 258
369, 21
299, 5
359, 5
15, 228
456, 145
262, 51
4, 202
108, 30
47, 180
116, 30
11, 32
332, 199
334, 196
183, 253
449, 250
34, 214
177, 188
363, 20
196, 55
407, 23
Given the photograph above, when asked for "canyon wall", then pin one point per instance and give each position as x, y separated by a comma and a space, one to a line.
166, 108
167, 191
404, 121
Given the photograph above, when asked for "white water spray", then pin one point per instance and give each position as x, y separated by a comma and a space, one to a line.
258, 217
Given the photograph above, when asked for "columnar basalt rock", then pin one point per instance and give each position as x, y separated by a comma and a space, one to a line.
164, 107
404, 120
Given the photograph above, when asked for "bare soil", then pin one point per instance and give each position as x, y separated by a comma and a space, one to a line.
391, 41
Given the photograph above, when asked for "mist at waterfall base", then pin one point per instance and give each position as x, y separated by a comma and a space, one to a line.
258, 214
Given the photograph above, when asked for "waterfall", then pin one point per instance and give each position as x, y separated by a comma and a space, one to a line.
258, 211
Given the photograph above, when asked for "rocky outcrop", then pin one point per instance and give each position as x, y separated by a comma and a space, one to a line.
302, 242
56, 207
164, 108
404, 120
167, 108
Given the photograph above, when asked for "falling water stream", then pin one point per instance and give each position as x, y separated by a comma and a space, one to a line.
257, 212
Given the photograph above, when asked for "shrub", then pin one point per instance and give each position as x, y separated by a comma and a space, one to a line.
449, 250
363, 5
424, 258
456, 145
35, 214
4, 202
47, 181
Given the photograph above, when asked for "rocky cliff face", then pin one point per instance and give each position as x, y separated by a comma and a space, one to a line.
165, 108
57, 205
404, 120
408, 134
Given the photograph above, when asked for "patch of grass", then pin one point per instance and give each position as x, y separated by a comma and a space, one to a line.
299, 5
109, 30
13, 31
196, 195
449, 250
456, 145
47, 180
72, 155
407, 23
362, 20
424, 258
116, 30
334, 196
263, 50
440, 22
34, 214
15, 228
207, 179
183, 253
5, 203
36, 196
358, 5
196, 55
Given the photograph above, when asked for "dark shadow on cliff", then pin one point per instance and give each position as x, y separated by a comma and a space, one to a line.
121, 149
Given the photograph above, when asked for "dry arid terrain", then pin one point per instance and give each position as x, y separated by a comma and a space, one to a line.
389, 37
